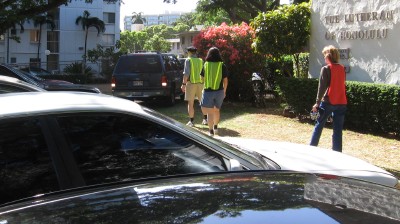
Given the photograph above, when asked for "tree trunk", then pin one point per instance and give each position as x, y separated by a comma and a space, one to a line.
38, 50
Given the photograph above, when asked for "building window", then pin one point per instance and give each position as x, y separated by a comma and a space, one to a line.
13, 60
109, 17
183, 40
52, 41
34, 36
108, 39
13, 32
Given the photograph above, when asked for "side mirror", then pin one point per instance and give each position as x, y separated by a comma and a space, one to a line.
235, 165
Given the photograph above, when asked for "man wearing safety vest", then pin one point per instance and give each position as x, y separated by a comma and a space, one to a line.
192, 84
331, 98
215, 76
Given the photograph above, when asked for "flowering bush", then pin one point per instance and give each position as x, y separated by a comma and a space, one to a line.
234, 43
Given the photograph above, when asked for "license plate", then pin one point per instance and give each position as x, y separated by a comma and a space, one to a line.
136, 93
137, 83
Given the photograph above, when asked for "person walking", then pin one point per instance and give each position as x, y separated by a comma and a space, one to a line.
215, 76
192, 84
331, 98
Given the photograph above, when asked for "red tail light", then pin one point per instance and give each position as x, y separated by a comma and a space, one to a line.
164, 80
113, 81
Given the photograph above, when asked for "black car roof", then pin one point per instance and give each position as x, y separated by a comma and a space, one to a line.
241, 197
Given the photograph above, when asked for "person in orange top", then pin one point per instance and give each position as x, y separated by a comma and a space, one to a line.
331, 98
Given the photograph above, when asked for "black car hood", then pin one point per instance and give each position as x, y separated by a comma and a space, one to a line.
55, 82
60, 85
256, 197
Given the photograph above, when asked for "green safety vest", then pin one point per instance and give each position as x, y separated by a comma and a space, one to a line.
196, 65
212, 75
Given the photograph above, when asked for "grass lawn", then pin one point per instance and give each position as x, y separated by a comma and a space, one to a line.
240, 120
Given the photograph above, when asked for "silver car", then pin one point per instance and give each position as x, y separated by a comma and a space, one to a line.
51, 141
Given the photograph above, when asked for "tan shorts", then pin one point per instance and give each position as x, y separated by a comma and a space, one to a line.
193, 91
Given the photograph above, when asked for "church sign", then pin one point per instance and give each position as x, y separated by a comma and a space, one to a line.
366, 33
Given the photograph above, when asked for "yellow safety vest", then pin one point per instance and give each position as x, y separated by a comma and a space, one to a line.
212, 75
196, 65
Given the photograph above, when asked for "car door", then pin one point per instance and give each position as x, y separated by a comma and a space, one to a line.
116, 147
26, 159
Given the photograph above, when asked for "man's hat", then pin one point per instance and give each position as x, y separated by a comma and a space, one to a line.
191, 49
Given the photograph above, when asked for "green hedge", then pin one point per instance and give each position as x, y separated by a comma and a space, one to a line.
371, 107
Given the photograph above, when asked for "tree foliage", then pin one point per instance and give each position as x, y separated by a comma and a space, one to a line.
87, 21
131, 41
234, 43
157, 43
137, 18
239, 10
285, 31
152, 38
17, 11
282, 31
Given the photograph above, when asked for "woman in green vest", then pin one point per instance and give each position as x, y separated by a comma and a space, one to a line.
215, 76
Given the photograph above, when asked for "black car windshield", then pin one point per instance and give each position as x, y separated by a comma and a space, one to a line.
139, 63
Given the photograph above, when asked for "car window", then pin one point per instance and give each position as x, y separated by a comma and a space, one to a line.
139, 63
25, 164
110, 148
4, 88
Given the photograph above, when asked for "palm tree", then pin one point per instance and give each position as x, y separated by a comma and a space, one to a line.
137, 18
88, 22
41, 20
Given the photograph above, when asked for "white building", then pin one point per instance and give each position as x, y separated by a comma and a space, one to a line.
65, 44
153, 19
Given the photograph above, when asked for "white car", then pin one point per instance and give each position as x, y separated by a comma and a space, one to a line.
52, 141
311, 159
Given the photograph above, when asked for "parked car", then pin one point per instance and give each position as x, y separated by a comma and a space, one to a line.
11, 85
47, 84
240, 197
52, 141
148, 76
36, 71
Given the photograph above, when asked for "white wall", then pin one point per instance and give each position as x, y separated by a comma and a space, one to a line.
371, 59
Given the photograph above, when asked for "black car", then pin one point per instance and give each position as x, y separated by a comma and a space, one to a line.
36, 71
47, 84
11, 85
232, 197
148, 76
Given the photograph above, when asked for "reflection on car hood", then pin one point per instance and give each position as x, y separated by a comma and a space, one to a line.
55, 82
244, 197
61, 85
305, 158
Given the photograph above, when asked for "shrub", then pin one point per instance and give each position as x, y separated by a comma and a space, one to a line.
234, 43
301, 71
371, 107
76, 70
